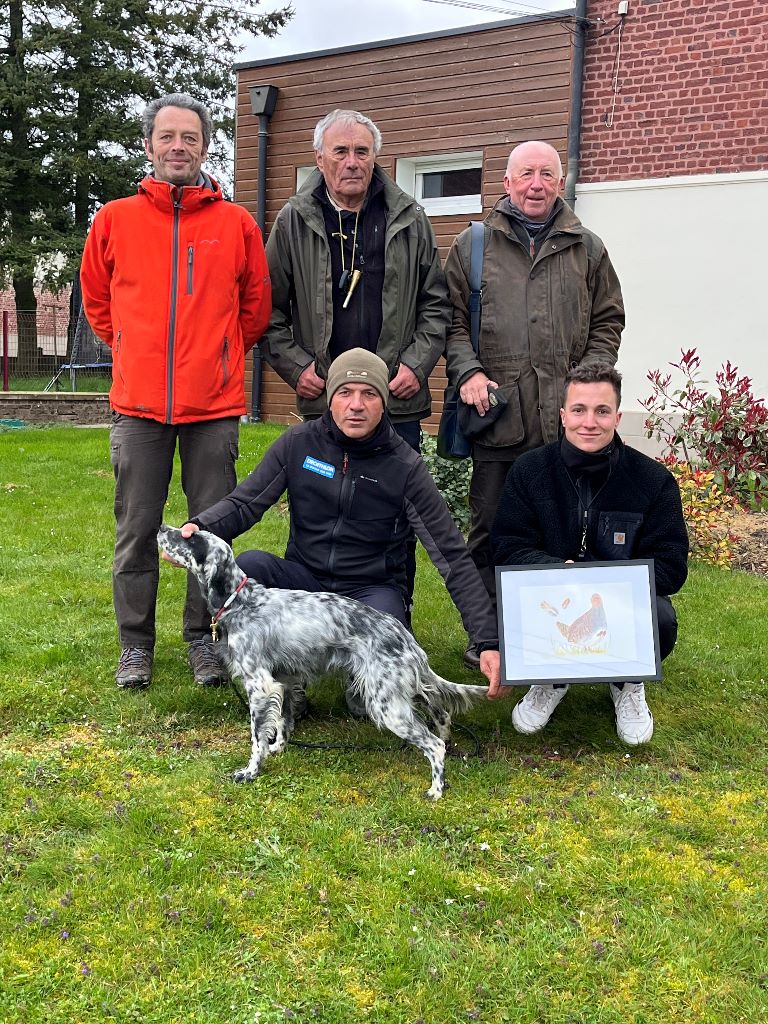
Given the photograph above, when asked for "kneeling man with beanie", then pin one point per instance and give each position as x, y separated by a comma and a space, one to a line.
355, 491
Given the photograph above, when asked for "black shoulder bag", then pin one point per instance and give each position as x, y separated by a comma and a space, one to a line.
451, 442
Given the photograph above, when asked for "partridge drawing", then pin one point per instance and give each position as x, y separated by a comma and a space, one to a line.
587, 628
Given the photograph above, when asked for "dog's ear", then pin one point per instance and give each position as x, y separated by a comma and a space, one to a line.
217, 561
198, 546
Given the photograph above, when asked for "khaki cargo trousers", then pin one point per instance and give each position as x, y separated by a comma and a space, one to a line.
142, 455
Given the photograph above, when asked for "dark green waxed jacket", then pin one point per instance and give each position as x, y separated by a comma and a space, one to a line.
415, 306
541, 316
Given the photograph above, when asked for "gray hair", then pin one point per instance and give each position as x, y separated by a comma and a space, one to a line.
347, 117
186, 102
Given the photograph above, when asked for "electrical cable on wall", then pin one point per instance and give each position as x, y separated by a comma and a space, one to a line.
608, 118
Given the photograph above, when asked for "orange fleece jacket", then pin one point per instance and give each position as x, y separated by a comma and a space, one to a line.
175, 281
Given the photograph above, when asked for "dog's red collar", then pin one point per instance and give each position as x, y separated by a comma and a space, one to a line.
220, 612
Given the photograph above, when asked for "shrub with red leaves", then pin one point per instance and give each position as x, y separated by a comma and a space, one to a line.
723, 430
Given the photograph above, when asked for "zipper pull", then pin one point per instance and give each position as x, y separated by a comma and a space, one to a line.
532, 247
345, 464
583, 549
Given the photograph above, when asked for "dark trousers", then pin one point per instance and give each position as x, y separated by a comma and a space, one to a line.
278, 573
484, 493
667, 619
142, 453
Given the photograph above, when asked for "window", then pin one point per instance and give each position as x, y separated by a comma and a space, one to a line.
444, 184
302, 173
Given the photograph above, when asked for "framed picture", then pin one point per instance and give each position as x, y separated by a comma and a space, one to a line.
590, 622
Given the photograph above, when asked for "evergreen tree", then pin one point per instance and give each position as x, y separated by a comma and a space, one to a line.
74, 77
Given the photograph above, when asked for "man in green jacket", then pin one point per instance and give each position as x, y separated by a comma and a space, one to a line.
354, 263
551, 300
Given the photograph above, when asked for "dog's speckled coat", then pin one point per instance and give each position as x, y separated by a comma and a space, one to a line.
275, 641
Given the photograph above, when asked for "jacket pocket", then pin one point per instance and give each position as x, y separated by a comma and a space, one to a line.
190, 268
617, 535
369, 503
508, 429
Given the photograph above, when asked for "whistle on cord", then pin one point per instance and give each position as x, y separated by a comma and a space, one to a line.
356, 275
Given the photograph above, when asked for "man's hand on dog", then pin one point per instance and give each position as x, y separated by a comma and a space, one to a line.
186, 532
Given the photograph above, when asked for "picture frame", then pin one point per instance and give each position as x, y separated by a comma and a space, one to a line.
586, 622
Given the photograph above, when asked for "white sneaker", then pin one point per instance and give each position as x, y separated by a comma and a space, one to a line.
535, 709
634, 721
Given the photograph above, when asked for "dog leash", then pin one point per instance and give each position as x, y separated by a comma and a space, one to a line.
374, 748
220, 612
458, 726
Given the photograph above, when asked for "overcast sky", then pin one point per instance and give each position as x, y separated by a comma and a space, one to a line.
323, 24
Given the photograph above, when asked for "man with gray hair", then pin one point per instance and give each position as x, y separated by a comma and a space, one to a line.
551, 300
175, 281
354, 263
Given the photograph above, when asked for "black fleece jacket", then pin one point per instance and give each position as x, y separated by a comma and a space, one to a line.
351, 503
636, 513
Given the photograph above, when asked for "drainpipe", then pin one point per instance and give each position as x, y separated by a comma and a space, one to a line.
577, 89
6, 346
263, 100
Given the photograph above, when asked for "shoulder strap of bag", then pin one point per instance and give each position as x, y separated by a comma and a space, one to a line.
477, 242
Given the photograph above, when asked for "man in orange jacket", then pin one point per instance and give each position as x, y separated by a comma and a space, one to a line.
175, 281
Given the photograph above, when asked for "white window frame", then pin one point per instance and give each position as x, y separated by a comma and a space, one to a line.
302, 173
410, 172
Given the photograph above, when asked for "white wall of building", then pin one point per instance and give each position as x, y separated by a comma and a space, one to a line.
692, 257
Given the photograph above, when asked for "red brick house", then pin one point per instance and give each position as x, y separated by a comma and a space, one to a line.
674, 152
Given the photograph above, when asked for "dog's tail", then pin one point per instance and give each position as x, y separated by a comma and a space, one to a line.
436, 690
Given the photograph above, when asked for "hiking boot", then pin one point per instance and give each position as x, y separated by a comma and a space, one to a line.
205, 664
472, 657
535, 709
634, 721
134, 669
300, 705
355, 703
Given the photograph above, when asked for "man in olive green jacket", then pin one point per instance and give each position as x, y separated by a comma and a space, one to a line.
354, 263
551, 300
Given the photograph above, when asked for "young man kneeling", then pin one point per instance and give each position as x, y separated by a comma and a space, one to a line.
589, 497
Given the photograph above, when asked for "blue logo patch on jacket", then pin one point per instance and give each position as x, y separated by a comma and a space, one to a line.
321, 468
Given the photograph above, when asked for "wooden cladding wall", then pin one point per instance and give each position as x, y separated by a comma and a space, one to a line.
484, 89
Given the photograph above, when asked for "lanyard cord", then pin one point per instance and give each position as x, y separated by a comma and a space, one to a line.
342, 236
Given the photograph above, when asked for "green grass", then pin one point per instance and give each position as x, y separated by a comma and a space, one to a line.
86, 381
563, 879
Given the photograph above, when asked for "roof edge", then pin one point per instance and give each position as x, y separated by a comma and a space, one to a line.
380, 43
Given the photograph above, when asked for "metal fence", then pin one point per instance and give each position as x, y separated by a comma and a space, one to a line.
52, 349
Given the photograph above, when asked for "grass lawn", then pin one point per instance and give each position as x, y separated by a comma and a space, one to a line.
564, 879
87, 380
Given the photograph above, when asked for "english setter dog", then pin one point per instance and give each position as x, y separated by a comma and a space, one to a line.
278, 640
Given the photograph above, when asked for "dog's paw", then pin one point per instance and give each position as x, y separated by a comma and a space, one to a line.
434, 793
244, 775
278, 745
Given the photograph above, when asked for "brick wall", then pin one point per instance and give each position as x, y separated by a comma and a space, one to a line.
38, 407
692, 95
